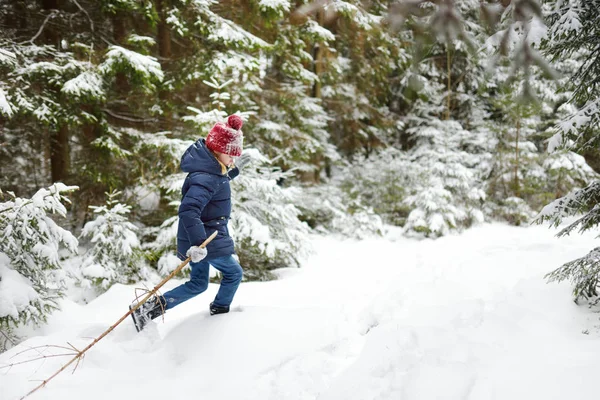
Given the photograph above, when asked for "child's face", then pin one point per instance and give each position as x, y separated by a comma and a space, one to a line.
226, 159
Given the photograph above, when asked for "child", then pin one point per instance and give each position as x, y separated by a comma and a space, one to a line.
205, 208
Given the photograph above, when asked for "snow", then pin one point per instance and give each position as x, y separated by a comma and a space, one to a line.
86, 83
462, 317
146, 197
225, 31
16, 291
568, 22
145, 40
322, 33
581, 118
7, 57
569, 161
274, 5
5, 107
147, 66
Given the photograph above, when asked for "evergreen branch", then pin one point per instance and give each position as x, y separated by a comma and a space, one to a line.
583, 272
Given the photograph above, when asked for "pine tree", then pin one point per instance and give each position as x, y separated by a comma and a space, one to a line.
516, 177
440, 97
31, 276
359, 70
265, 223
573, 33
376, 183
114, 255
574, 29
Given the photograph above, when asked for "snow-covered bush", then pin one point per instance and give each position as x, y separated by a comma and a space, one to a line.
377, 183
31, 275
513, 210
445, 192
264, 220
567, 170
115, 254
329, 209
432, 188
163, 246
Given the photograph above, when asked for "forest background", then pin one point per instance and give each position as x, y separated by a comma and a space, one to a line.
429, 115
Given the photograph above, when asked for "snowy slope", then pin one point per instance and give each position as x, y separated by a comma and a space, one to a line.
462, 317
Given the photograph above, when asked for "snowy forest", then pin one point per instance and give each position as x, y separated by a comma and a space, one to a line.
428, 116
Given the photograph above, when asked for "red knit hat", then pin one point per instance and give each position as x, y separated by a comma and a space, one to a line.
227, 138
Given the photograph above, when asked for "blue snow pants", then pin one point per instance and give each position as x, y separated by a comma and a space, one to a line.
198, 283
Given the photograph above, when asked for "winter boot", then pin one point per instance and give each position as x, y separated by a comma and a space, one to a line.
153, 308
215, 309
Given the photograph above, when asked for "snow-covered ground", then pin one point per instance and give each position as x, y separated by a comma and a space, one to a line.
463, 317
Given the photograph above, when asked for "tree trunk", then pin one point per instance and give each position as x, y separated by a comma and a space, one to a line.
517, 157
119, 35
318, 60
164, 34
165, 53
59, 154
59, 139
449, 63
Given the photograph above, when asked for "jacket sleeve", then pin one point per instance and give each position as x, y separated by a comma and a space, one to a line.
233, 173
202, 188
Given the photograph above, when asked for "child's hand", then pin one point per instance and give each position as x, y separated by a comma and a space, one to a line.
196, 253
243, 160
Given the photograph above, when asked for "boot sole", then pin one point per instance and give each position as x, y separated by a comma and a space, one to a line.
135, 321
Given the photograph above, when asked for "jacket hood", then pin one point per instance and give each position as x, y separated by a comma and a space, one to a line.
198, 158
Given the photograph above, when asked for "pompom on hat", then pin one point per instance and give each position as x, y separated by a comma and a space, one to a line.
227, 138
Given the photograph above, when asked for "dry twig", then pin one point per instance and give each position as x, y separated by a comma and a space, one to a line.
79, 354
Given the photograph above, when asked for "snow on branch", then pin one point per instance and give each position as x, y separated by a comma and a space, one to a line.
88, 83
147, 67
584, 201
5, 107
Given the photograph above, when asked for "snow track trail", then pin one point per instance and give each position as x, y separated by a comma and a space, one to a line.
463, 317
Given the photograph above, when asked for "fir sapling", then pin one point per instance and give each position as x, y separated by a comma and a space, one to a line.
31, 272
114, 255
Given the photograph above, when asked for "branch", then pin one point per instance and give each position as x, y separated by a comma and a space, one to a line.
86, 13
39, 32
144, 120
81, 353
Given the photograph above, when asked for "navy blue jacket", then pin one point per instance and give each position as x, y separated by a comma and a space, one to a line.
205, 203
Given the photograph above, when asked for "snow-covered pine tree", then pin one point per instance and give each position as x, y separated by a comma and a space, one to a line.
37, 118
63, 89
31, 276
440, 93
290, 126
445, 191
265, 223
575, 27
516, 180
379, 182
524, 100
358, 74
114, 255
584, 272
336, 207
566, 170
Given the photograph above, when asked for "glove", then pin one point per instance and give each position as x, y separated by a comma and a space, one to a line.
243, 161
196, 253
